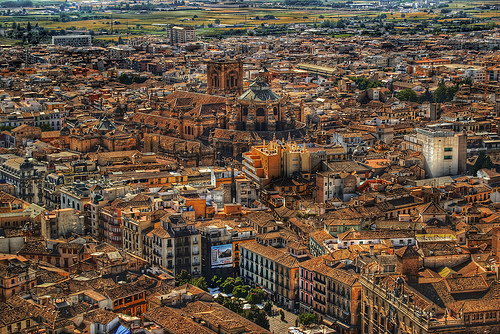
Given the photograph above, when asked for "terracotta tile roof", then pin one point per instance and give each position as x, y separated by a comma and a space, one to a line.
216, 315
100, 316
261, 218
277, 255
173, 321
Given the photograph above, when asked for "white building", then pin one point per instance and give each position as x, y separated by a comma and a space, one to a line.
445, 152
476, 74
348, 140
72, 40
181, 34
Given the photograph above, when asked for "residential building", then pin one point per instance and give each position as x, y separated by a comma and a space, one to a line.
273, 269
174, 245
16, 275
445, 152
221, 242
181, 34
72, 40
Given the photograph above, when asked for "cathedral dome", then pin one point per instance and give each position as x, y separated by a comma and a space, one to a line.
26, 165
260, 91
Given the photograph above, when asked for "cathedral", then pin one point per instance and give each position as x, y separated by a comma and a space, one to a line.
261, 109
225, 77
228, 118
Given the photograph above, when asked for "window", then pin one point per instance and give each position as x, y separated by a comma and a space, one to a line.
448, 157
448, 149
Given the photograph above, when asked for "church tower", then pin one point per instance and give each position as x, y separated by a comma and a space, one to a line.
225, 77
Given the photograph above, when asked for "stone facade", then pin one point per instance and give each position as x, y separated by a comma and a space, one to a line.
225, 77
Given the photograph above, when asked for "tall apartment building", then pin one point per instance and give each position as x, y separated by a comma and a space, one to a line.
221, 244
276, 270
332, 293
271, 161
445, 151
181, 34
174, 245
72, 40
113, 216
101, 195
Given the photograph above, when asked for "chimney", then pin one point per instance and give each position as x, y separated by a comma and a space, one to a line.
371, 250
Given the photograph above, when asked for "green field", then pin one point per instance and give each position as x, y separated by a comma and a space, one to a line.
148, 23
135, 23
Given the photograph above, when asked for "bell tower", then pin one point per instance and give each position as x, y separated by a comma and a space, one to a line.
225, 77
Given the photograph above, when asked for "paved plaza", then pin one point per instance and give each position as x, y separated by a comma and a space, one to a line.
281, 327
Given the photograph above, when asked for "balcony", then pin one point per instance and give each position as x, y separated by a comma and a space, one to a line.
196, 252
250, 167
251, 175
319, 302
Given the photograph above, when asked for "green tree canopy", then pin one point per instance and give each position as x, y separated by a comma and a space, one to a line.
228, 285
255, 296
364, 83
240, 291
407, 94
46, 127
307, 319
182, 278
482, 161
199, 282
444, 93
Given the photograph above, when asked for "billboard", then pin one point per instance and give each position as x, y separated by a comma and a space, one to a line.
222, 256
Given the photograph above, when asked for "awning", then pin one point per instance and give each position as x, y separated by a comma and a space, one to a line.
121, 330
327, 322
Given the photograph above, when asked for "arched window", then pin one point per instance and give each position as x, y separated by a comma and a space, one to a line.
275, 110
245, 111
261, 112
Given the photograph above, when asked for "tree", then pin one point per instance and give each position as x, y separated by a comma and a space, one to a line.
28, 28
403, 15
233, 305
482, 161
228, 285
321, 17
217, 21
257, 316
214, 280
307, 319
182, 278
467, 81
14, 25
240, 291
407, 94
268, 306
46, 127
220, 299
255, 296
199, 282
